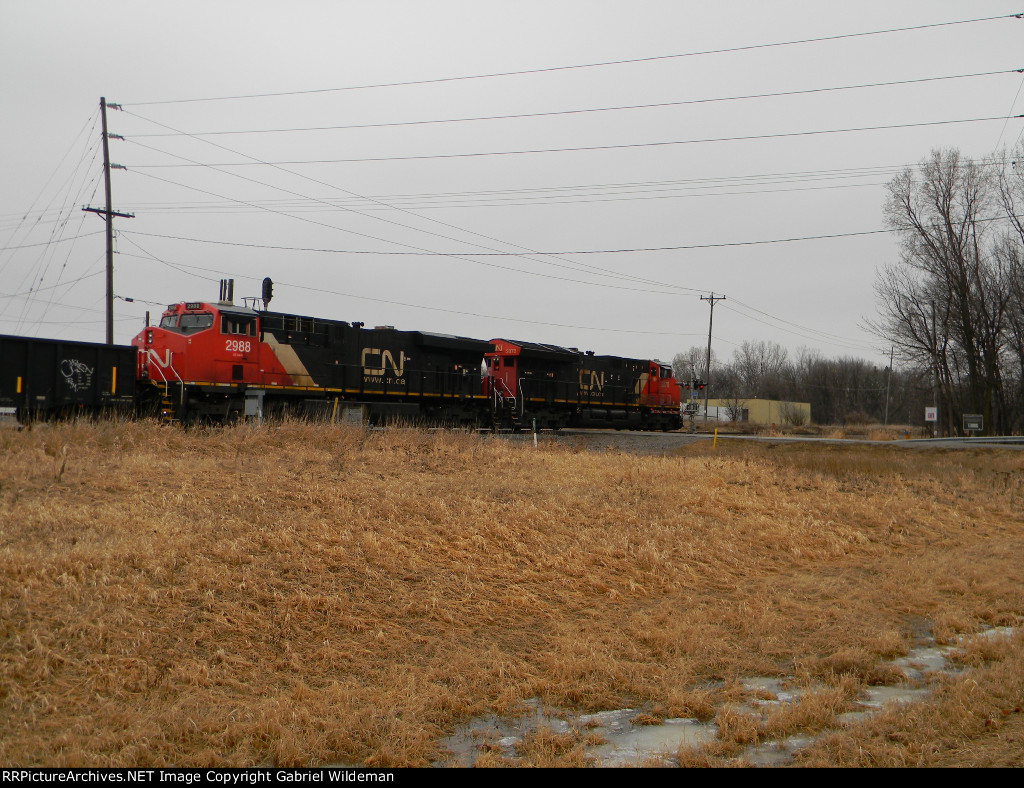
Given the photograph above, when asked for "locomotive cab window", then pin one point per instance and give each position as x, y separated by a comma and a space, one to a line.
186, 323
189, 324
237, 325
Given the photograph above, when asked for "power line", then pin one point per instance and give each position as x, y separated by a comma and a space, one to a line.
822, 336
813, 335
389, 302
781, 320
708, 182
629, 107
595, 189
1009, 113
51, 242
551, 69
460, 255
94, 117
577, 267
641, 195
385, 252
582, 148
724, 244
50, 287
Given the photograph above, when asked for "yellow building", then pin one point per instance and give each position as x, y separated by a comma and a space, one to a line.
760, 411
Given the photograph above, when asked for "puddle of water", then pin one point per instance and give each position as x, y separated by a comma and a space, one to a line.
498, 734
995, 632
627, 744
874, 699
775, 687
877, 697
924, 659
613, 721
630, 745
775, 753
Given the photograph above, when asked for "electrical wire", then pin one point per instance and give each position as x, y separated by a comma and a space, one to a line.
758, 136
629, 61
581, 148
798, 176
816, 336
182, 268
235, 152
393, 253
466, 256
571, 265
94, 117
316, 206
50, 287
621, 250
629, 107
50, 243
459, 256
1009, 114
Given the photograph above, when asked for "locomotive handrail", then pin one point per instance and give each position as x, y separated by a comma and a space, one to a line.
508, 393
499, 398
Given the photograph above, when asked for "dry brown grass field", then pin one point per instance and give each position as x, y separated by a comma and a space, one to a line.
303, 594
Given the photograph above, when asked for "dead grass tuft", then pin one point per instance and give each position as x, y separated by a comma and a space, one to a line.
544, 748
643, 718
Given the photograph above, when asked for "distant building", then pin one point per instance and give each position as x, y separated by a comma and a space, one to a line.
760, 411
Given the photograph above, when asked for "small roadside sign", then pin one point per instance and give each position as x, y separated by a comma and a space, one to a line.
931, 414
974, 422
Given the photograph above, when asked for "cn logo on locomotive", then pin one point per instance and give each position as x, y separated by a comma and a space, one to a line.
372, 355
590, 380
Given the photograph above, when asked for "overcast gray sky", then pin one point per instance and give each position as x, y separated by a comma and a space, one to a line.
422, 205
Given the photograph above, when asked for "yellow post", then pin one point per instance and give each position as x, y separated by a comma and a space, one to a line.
334, 412
19, 385
113, 380
714, 441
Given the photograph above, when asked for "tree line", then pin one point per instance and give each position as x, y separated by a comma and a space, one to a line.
951, 307
839, 390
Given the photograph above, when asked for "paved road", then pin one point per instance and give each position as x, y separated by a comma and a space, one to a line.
666, 442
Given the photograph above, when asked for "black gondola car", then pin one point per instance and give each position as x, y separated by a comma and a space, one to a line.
43, 377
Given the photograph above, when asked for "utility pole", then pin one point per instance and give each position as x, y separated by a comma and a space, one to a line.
707, 383
935, 390
888, 380
108, 214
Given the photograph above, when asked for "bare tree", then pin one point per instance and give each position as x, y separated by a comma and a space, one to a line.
759, 366
945, 302
1011, 253
693, 363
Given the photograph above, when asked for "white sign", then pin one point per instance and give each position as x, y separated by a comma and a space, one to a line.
974, 422
931, 414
